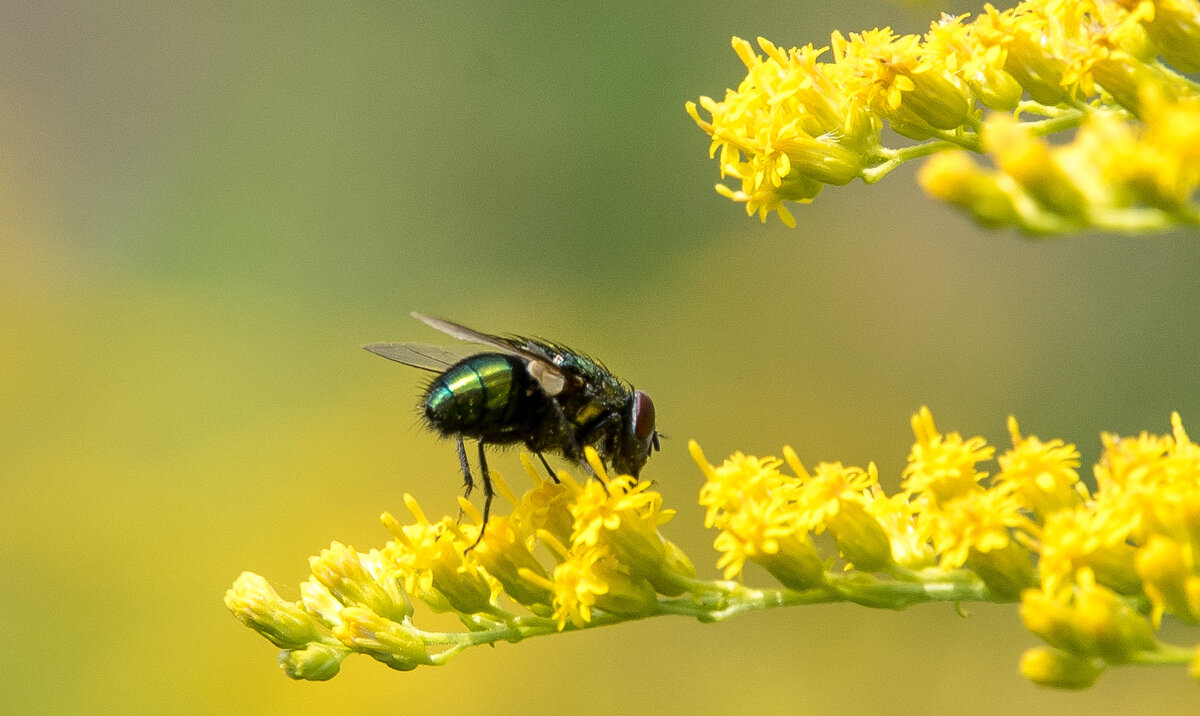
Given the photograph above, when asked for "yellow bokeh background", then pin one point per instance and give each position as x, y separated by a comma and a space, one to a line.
207, 209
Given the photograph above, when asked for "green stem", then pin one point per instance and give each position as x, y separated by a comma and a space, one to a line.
895, 157
718, 600
1164, 655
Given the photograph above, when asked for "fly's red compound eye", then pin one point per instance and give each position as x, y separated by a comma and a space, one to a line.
643, 416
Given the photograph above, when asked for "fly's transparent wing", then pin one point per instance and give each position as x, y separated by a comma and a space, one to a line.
417, 355
543, 371
463, 333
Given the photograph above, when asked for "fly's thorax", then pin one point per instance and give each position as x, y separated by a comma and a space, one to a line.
478, 393
591, 393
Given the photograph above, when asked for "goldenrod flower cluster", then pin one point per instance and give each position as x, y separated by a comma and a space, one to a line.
1095, 570
1108, 71
569, 555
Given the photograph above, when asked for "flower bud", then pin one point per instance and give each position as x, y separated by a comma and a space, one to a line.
795, 563
861, 540
996, 89
1051, 667
460, 581
1118, 631
257, 605
955, 178
1038, 72
1006, 571
1176, 28
504, 557
348, 577
386, 641
1029, 161
316, 662
1163, 566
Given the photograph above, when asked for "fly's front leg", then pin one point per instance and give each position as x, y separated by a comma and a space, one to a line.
549, 470
593, 430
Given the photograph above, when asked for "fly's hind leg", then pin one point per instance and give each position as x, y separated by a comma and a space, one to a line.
468, 482
488, 493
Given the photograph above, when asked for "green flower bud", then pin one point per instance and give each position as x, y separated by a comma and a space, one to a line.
796, 563
955, 178
861, 539
316, 662
1050, 667
1007, 571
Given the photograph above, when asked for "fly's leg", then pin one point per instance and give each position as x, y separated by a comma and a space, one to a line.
572, 450
592, 429
588, 435
488, 494
468, 483
549, 469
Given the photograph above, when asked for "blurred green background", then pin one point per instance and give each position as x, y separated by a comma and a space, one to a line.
208, 207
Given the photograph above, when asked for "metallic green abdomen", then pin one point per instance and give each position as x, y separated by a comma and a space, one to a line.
476, 394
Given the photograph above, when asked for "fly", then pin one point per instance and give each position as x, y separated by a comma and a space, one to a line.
525, 390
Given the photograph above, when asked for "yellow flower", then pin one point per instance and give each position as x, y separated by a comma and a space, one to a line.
1087, 619
1153, 483
576, 586
604, 510
767, 538
942, 467
435, 562
1093, 537
547, 506
624, 515
1031, 36
819, 497
1042, 476
898, 517
835, 498
741, 479
1175, 26
582, 554
785, 132
901, 81
747, 500
506, 555
952, 44
802, 119
592, 578
979, 521
976, 529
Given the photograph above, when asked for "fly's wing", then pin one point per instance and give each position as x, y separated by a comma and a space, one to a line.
549, 377
417, 355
